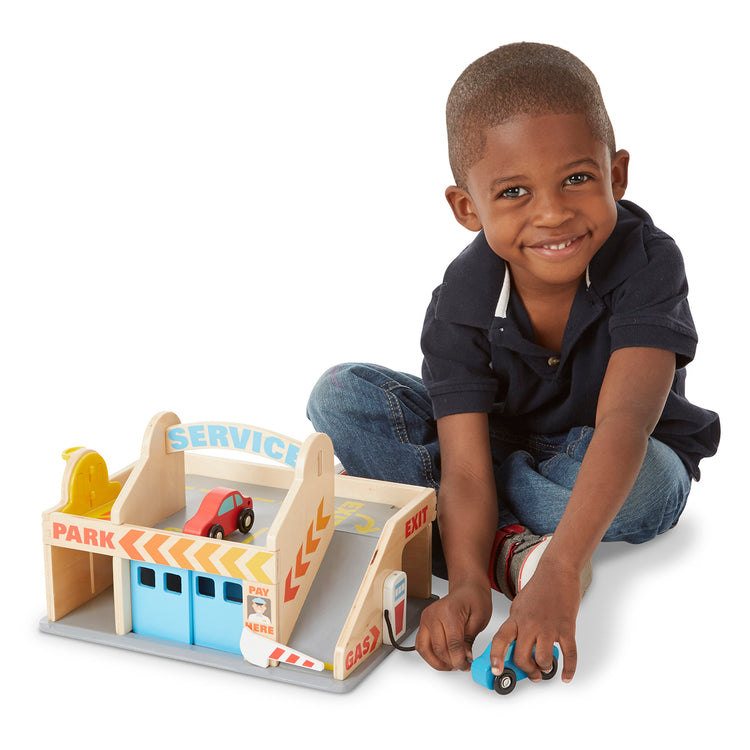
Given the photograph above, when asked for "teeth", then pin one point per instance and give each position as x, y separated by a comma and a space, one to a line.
561, 246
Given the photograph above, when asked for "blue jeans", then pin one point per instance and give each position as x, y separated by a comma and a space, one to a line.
381, 425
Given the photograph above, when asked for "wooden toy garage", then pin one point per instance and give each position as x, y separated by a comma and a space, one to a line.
300, 598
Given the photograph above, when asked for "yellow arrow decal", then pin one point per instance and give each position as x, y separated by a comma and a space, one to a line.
254, 567
365, 528
229, 560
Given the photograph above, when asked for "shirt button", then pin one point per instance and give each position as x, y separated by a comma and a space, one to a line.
553, 361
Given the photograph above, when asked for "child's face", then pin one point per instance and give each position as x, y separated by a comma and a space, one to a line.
544, 192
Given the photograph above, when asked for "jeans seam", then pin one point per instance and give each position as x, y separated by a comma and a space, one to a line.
399, 423
537, 444
571, 447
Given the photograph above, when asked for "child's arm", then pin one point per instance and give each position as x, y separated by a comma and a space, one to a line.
631, 399
467, 513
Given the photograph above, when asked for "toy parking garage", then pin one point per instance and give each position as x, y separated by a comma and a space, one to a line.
299, 598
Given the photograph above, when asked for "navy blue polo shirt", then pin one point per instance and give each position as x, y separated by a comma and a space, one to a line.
480, 354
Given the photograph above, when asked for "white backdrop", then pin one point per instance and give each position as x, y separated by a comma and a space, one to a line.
205, 204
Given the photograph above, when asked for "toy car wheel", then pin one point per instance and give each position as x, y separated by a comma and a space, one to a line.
216, 531
505, 682
549, 675
246, 520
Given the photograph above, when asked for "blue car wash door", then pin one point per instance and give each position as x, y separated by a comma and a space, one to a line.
161, 601
217, 612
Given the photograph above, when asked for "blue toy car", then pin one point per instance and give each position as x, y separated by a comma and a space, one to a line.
504, 683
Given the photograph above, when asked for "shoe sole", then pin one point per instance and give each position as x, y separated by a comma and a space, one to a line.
531, 562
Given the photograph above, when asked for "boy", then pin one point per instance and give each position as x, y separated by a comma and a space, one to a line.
552, 397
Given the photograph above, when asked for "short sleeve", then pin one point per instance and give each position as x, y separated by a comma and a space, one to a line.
456, 368
650, 307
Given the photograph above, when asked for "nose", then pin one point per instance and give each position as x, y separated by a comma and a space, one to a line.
551, 209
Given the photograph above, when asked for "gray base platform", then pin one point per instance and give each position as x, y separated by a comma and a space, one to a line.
94, 622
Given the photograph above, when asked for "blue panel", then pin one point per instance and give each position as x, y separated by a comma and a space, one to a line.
217, 612
161, 601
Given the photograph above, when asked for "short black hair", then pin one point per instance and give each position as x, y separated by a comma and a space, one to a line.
524, 78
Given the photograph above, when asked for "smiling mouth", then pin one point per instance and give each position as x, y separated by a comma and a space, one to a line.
562, 248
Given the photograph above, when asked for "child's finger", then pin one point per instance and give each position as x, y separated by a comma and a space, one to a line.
458, 650
428, 646
544, 655
500, 643
570, 658
443, 648
523, 657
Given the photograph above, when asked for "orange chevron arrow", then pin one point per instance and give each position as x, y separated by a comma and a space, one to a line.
203, 554
178, 550
229, 560
312, 543
290, 591
152, 548
321, 521
301, 567
127, 543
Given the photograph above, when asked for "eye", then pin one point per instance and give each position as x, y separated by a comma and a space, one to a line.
577, 179
513, 192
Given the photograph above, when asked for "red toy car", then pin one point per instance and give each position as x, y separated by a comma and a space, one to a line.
222, 512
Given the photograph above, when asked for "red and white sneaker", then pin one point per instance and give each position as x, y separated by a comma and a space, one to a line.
515, 556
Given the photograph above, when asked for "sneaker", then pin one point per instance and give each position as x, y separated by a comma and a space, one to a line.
515, 556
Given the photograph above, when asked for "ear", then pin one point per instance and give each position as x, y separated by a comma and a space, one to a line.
463, 208
620, 163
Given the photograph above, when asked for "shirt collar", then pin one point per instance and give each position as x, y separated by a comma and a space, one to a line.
623, 253
472, 285
501, 311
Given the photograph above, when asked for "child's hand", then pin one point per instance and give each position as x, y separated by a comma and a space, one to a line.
544, 611
449, 626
